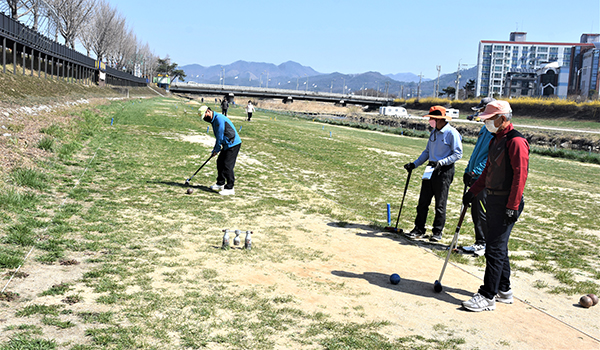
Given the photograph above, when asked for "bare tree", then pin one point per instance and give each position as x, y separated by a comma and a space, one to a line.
70, 16
124, 50
104, 22
16, 5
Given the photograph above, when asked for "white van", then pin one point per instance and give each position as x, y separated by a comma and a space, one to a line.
393, 111
452, 112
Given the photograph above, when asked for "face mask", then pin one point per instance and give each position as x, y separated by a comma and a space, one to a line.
207, 119
432, 122
489, 124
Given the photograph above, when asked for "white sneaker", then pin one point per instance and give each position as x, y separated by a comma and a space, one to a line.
227, 192
505, 297
217, 188
479, 249
479, 303
469, 249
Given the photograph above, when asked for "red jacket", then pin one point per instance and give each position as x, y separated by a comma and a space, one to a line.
518, 152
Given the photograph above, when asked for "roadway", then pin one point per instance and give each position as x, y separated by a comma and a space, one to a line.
285, 95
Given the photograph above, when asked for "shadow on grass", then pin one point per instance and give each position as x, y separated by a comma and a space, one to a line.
182, 185
424, 289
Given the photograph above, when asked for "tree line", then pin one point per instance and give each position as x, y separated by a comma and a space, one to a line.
99, 27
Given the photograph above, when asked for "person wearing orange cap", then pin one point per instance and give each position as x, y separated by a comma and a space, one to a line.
443, 149
503, 179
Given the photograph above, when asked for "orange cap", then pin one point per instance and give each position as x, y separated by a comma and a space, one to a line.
438, 112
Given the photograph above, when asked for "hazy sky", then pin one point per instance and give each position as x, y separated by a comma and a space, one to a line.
349, 36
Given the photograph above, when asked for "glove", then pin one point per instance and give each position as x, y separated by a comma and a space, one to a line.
510, 216
409, 166
468, 179
468, 198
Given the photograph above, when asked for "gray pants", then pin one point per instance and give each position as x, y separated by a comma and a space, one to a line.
478, 208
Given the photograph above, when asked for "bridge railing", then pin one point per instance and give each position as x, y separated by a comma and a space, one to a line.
232, 88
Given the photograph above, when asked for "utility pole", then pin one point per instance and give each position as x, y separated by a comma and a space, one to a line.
297, 78
387, 86
223, 81
267, 79
419, 86
457, 81
437, 86
458, 78
306, 89
402, 91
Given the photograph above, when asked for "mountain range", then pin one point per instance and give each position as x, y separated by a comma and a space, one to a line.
293, 75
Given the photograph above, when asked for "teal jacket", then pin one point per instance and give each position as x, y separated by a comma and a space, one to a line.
480, 153
225, 134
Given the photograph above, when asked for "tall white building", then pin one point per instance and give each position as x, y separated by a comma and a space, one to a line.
497, 58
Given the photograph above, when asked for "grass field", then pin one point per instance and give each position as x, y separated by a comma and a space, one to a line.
112, 198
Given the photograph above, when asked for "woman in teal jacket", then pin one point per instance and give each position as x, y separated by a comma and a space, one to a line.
227, 145
472, 172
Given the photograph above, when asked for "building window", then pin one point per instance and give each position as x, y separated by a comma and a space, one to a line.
496, 89
487, 47
498, 55
497, 82
567, 51
498, 47
497, 68
497, 75
554, 50
542, 56
542, 49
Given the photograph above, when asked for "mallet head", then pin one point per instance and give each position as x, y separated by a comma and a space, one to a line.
437, 286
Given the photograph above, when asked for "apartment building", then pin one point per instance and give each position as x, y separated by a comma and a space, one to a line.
498, 61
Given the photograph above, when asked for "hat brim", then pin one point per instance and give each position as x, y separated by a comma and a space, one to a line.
484, 116
446, 117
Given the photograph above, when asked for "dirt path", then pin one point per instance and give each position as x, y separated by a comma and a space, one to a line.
358, 275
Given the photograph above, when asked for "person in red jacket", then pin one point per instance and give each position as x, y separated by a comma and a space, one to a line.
503, 179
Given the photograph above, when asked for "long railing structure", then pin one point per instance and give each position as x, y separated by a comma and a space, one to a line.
55, 59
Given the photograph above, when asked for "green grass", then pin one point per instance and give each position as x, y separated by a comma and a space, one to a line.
149, 246
29, 177
46, 143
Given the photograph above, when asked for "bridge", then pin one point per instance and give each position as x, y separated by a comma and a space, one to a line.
287, 96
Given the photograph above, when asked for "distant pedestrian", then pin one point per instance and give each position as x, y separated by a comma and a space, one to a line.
249, 110
224, 106
504, 180
472, 172
443, 149
227, 145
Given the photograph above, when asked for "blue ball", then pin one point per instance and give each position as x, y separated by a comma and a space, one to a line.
395, 278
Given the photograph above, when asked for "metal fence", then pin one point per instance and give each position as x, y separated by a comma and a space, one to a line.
19, 33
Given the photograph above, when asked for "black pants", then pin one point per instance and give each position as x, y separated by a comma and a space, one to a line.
437, 187
249, 116
478, 208
225, 165
224, 111
497, 266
